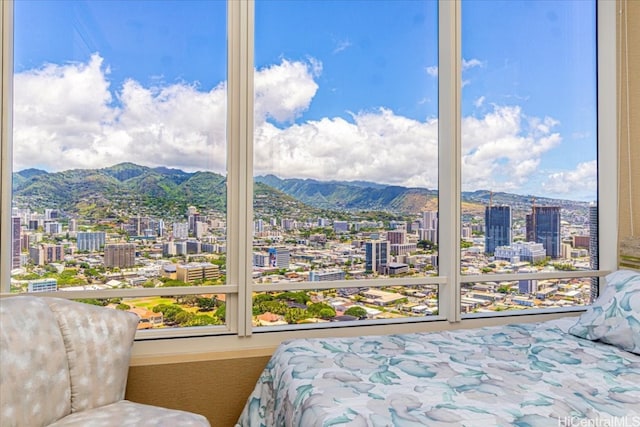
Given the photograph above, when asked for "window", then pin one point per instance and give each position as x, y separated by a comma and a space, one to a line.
529, 152
119, 154
317, 166
345, 159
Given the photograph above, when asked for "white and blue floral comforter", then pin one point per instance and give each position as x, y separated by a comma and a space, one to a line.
520, 375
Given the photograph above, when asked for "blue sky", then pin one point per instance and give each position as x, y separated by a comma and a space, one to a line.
344, 90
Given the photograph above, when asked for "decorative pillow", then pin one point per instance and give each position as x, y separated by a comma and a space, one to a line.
614, 318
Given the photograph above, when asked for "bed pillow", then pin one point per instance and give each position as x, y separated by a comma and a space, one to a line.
614, 318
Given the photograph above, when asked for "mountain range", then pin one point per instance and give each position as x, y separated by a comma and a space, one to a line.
127, 188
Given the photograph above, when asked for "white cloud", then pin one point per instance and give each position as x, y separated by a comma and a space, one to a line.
432, 71
471, 64
375, 146
68, 116
501, 152
285, 90
65, 118
342, 45
582, 181
478, 102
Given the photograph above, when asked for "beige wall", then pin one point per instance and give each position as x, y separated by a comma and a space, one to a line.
629, 141
218, 389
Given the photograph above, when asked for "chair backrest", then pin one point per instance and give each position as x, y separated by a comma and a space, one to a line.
98, 343
60, 356
35, 388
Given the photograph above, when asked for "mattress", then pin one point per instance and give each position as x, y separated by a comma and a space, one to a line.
529, 374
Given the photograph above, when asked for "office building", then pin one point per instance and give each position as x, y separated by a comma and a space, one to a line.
543, 226
376, 255
521, 251
497, 221
528, 286
190, 273
42, 285
279, 257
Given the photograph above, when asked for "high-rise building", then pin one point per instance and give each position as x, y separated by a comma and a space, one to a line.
168, 249
52, 227
121, 255
376, 255
193, 247
593, 249
15, 242
44, 254
497, 222
180, 230
193, 219
396, 237
543, 226
91, 241
201, 229
430, 220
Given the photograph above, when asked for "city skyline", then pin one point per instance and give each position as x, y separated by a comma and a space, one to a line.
346, 103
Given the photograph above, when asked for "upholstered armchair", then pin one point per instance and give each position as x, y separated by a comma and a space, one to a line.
65, 363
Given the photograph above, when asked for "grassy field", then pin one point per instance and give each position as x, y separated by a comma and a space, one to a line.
150, 302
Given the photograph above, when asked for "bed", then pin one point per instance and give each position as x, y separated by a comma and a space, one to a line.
554, 373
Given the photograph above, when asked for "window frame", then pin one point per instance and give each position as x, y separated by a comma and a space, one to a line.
239, 287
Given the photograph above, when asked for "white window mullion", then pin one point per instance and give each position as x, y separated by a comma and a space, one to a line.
240, 170
607, 138
246, 293
6, 102
449, 143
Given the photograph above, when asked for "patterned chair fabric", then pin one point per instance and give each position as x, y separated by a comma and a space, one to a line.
64, 363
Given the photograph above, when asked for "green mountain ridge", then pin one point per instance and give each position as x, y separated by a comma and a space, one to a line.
126, 188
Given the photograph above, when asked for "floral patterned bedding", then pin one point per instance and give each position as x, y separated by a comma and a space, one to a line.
522, 375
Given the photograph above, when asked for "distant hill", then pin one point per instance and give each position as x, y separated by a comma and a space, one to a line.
126, 188
357, 195
361, 195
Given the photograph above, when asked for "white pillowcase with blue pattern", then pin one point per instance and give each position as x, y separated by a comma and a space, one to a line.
614, 318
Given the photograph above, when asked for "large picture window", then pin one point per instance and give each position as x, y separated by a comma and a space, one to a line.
264, 166
529, 152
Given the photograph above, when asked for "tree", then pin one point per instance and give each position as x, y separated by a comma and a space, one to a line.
294, 315
327, 313
356, 311
425, 244
221, 312
207, 304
